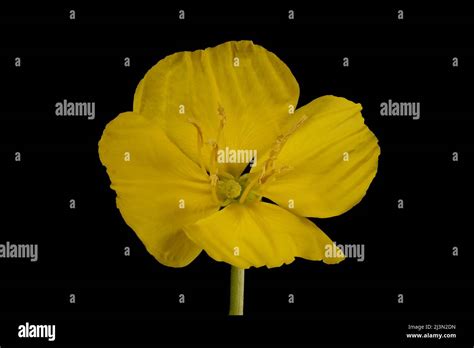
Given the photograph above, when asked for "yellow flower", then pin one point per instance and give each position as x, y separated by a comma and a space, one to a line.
172, 190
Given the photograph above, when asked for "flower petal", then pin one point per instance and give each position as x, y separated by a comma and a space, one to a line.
252, 85
333, 158
158, 188
259, 234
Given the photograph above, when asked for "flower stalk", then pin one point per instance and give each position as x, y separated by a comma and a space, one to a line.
236, 291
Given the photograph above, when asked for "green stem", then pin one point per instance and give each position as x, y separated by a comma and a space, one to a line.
236, 291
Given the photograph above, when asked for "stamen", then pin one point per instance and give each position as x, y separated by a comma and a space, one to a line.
213, 165
275, 172
215, 143
214, 179
249, 186
200, 142
222, 121
213, 161
269, 169
269, 166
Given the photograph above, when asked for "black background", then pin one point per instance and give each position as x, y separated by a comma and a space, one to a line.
134, 299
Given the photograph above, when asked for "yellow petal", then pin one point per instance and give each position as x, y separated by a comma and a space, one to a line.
158, 188
137, 98
333, 158
252, 85
259, 234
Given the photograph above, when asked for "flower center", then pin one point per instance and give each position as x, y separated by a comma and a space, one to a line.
224, 187
229, 188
